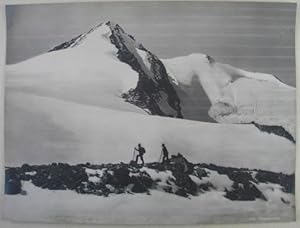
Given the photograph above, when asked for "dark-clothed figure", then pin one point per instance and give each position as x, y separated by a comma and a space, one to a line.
141, 151
165, 153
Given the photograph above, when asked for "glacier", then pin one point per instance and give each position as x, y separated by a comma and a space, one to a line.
235, 95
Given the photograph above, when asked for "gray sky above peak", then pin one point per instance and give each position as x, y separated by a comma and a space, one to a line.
258, 37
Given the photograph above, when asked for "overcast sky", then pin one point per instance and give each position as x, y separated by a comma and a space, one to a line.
253, 36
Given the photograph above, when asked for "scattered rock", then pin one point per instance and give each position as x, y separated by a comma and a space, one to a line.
173, 177
244, 192
199, 172
206, 187
121, 175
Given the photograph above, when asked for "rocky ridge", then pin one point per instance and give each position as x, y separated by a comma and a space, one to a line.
178, 176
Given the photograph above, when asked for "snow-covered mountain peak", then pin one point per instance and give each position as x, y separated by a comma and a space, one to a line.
101, 29
99, 33
194, 87
113, 26
108, 53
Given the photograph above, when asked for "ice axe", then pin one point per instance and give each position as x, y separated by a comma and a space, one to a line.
133, 154
160, 157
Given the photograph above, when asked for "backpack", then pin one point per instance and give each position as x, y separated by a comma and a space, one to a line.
142, 150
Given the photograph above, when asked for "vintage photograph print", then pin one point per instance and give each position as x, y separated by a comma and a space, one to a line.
150, 112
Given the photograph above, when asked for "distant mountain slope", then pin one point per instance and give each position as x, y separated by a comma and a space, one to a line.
234, 95
198, 88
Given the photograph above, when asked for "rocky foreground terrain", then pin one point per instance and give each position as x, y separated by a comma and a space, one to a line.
178, 176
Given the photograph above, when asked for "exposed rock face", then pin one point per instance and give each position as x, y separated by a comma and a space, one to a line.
276, 130
75, 41
154, 92
66, 44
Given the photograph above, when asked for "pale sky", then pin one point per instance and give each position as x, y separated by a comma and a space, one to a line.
254, 36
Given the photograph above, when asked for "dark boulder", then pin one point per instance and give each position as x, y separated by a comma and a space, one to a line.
26, 168
241, 177
141, 183
199, 172
13, 186
121, 175
181, 168
138, 186
244, 192
181, 164
205, 187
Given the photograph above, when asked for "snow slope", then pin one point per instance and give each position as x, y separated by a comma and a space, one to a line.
157, 208
88, 74
66, 105
235, 95
49, 129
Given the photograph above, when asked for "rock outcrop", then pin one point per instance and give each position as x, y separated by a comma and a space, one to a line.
177, 176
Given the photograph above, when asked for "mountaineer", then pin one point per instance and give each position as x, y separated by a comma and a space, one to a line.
165, 154
141, 151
